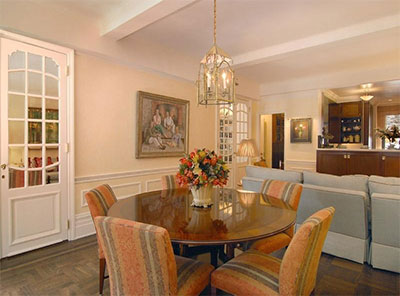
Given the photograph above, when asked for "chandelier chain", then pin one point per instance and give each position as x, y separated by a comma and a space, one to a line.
215, 21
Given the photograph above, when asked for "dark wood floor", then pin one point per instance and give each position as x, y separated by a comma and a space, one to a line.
71, 268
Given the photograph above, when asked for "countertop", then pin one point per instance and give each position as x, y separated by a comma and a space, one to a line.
359, 150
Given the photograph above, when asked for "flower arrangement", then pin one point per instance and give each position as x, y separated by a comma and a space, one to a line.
391, 133
202, 168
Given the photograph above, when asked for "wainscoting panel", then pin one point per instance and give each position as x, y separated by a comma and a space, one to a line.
152, 185
300, 165
124, 185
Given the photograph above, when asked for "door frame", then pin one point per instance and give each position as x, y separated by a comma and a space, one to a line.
258, 130
69, 147
239, 99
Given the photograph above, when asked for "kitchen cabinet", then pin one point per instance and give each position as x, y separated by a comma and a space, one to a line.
349, 122
334, 123
391, 164
350, 162
351, 109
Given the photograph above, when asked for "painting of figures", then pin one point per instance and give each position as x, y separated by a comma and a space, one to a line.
162, 126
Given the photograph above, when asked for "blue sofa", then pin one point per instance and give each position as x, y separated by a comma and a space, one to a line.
349, 236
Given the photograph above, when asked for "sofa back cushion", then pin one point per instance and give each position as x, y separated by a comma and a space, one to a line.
385, 224
350, 182
384, 185
274, 174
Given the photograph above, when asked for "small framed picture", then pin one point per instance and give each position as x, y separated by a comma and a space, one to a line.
301, 130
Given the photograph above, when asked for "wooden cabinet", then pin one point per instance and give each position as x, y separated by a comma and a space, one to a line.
390, 164
352, 109
349, 122
334, 122
332, 163
364, 163
358, 162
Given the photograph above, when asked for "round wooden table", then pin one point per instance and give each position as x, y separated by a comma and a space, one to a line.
235, 216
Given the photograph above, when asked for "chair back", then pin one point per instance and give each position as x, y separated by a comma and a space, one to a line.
286, 191
100, 199
299, 266
139, 257
169, 182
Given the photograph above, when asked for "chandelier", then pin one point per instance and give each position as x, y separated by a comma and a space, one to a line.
366, 97
216, 80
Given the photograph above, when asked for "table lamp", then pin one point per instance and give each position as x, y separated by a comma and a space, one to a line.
247, 148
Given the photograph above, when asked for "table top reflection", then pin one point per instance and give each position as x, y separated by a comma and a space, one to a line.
235, 216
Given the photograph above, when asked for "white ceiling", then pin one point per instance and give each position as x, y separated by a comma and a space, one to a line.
270, 40
384, 92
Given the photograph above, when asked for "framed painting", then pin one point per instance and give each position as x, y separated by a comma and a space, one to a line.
301, 130
162, 126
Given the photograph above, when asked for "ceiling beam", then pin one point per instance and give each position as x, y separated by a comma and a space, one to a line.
284, 49
135, 15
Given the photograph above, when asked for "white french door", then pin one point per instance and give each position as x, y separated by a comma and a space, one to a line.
34, 202
233, 123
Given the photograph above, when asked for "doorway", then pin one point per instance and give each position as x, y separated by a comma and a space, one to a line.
273, 139
234, 124
34, 154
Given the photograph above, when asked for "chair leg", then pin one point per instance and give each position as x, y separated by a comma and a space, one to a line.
213, 291
101, 274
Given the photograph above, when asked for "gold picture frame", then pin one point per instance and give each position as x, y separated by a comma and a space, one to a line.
301, 130
162, 126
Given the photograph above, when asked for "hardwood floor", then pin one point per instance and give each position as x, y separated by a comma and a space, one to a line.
71, 268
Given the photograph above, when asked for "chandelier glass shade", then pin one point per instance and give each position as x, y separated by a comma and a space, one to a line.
366, 97
216, 78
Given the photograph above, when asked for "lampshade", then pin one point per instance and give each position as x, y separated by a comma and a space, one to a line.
247, 147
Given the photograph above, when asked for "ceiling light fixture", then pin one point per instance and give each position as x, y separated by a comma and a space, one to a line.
367, 88
216, 79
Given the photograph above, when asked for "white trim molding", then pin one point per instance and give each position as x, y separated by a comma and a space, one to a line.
115, 188
158, 180
300, 165
121, 175
83, 225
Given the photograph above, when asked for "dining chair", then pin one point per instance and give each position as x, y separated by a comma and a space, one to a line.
99, 200
169, 182
141, 262
256, 273
290, 193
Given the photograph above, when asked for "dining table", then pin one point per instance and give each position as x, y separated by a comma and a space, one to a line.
235, 217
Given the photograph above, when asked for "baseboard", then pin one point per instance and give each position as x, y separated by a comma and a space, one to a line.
83, 225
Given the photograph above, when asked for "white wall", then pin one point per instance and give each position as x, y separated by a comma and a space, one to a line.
304, 104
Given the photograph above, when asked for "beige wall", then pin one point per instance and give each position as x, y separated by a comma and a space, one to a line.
105, 124
304, 104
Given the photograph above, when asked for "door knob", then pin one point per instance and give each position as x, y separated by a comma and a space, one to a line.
3, 166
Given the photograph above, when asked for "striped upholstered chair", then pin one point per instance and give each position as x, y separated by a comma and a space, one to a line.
256, 273
141, 262
169, 182
290, 193
99, 200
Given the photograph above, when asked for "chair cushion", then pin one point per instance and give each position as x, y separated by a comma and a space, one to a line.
193, 275
387, 185
275, 174
351, 182
250, 273
272, 243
